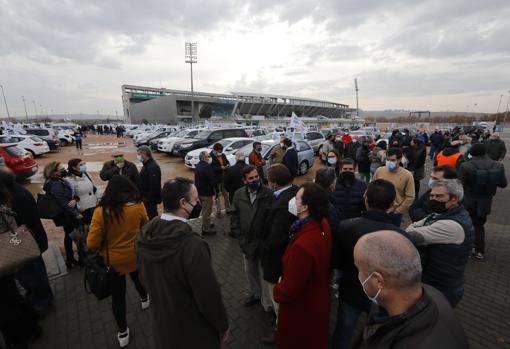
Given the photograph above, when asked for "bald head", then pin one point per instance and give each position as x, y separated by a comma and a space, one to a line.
392, 255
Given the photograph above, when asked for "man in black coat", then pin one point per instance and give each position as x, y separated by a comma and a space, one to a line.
378, 199
496, 148
290, 159
205, 181
480, 177
234, 178
276, 233
149, 181
348, 194
119, 166
421, 207
33, 276
220, 164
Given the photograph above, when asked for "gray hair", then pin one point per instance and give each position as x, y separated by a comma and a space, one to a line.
240, 156
145, 150
393, 255
453, 186
202, 155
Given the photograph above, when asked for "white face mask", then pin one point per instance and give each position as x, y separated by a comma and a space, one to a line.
374, 298
293, 206
209, 161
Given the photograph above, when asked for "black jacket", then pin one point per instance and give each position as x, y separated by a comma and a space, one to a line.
276, 235
187, 307
25, 207
348, 199
247, 219
290, 160
234, 178
150, 182
436, 139
351, 149
430, 323
410, 154
205, 181
421, 157
480, 177
496, 149
110, 169
216, 166
349, 232
362, 159
420, 208
61, 190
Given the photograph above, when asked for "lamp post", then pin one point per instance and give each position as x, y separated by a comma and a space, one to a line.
35, 108
357, 89
25, 106
499, 104
6, 106
190, 55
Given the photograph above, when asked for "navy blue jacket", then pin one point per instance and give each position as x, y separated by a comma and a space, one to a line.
205, 181
290, 160
348, 199
436, 139
150, 182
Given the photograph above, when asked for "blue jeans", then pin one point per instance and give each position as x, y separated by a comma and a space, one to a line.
346, 322
452, 295
34, 279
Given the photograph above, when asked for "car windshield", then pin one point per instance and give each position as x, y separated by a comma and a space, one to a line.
191, 134
224, 143
36, 139
15, 151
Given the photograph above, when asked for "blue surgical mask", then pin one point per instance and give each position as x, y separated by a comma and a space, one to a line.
332, 161
391, 165
139, 158
431, 181
374, 298
83, 168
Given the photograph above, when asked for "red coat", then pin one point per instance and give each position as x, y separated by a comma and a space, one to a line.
304, 289
346, 139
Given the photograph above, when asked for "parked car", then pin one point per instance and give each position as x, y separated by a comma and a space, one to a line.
65, 137
48, 134
19, 161
146, 140
33, 144
207, 137
166, 145
230, 146
306, 155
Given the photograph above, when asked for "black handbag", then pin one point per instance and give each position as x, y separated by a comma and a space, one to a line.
47, 206
99, 276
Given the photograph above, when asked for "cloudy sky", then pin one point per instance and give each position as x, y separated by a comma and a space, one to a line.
73, 56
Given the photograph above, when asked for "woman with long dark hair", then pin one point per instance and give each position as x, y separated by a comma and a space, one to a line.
115, 224
303, 291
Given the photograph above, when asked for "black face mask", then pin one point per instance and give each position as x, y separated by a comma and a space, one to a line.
254, 186
195, 212
437, 206
348, 176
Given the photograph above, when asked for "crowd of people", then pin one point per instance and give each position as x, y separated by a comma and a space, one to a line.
360, 230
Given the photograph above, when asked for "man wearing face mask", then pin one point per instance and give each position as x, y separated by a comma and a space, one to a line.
220, 164
421, 208
255, 159
206, 185
149, 182
276, 230
175, 263
119, 166
249, 210
403, 181
348, 195
407, 314
446, 237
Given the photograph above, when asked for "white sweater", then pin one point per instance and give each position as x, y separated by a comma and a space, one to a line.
83, 187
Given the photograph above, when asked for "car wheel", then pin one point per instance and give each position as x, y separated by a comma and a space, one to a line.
303, 167
31, 152
64, 142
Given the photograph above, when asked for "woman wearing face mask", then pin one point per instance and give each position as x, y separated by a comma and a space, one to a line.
69, 218
333, 160
83, 188
122, 214
303, 291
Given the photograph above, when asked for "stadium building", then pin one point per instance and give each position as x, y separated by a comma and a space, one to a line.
161, 105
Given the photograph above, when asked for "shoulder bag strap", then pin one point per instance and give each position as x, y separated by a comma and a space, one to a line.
105, 237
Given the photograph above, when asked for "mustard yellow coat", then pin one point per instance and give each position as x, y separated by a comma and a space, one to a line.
121, 236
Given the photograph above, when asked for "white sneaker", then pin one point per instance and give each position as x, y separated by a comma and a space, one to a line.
145, 302
123, 338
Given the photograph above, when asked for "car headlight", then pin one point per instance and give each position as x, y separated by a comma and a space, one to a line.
189, 157
185, 146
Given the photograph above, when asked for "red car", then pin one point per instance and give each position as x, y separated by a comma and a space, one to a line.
19, 161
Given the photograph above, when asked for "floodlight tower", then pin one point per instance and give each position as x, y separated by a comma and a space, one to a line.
190, 55
357, 89
25, 105
6, 106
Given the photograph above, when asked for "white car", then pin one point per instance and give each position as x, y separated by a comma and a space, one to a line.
65, 136
230, 146
30, 143
166, 145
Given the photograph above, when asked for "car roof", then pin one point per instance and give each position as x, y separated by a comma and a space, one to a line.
233, 139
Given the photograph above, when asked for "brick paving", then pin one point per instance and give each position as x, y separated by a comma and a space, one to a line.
78, 320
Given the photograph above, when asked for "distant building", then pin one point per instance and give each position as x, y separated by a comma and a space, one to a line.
161, 105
